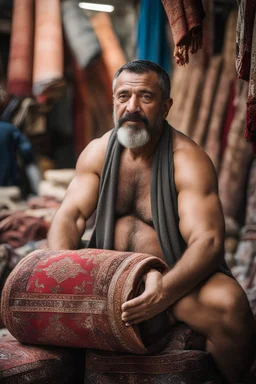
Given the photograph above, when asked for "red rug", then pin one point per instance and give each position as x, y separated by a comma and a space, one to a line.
74, 298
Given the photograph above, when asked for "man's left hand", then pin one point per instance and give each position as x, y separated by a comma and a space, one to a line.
151, 302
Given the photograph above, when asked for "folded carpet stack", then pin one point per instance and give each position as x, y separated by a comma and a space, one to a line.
29, 364
17, 228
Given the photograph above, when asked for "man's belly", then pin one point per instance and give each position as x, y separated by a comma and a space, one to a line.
133, 235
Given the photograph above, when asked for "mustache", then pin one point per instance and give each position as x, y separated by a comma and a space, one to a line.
132, 117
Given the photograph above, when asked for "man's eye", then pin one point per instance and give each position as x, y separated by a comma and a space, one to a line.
123, 97
146, 97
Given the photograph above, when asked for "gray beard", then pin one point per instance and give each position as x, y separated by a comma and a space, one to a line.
132, 138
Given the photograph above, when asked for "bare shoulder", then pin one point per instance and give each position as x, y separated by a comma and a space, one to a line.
92, 157
192, 166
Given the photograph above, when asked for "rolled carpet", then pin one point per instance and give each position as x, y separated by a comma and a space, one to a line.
19, 78
74, 298
112, 52
48, 66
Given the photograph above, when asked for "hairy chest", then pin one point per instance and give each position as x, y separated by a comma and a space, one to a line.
133, 191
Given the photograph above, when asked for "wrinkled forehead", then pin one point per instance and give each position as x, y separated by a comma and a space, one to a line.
148, 80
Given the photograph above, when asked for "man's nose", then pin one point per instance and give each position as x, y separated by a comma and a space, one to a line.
133, 104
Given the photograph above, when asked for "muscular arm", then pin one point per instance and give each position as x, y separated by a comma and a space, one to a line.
201, 222
202, 227
80, 201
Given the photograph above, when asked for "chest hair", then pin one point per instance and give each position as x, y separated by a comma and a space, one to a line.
133, 191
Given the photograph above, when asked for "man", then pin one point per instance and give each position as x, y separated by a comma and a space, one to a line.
198, 289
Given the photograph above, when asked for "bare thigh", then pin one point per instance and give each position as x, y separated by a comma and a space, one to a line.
219, 301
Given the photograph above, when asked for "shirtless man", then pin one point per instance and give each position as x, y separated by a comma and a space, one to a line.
210, 302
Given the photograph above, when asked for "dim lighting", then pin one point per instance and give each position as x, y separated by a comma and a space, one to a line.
97, 7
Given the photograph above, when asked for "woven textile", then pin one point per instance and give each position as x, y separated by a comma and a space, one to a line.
207, 100
223, 91
173, 365
245, 255
82, 122
246, 60
48, 83
74, 298
251, 195
215, 130
17, 228
89, 98
26, 364
100, 98
231, 108
185, 18
245, 258
235, 164
180, 87
250, 131
244, 31
192, 102
19, 79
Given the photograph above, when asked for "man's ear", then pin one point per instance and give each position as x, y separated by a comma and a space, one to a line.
167, 106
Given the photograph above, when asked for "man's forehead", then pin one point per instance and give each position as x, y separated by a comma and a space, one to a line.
131, 79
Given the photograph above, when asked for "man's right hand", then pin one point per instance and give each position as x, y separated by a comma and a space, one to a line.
149, 304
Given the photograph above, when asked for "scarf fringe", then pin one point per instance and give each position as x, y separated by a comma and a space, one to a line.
193, 44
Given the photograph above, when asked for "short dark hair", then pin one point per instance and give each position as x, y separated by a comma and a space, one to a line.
142, 66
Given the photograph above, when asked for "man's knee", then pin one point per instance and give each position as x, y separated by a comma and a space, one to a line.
233, 308
219, 306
